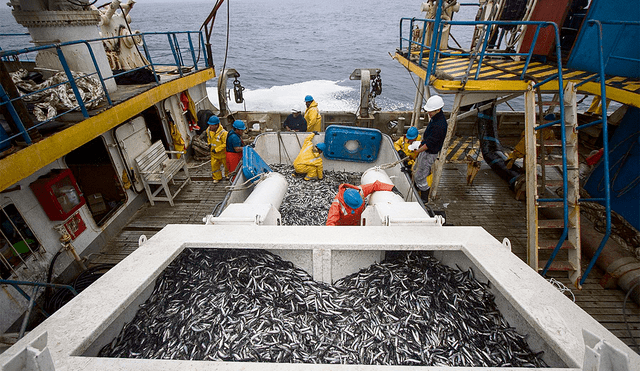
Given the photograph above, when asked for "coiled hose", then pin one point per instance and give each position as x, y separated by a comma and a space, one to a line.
60, 297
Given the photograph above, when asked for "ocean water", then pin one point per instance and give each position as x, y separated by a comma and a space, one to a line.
286, 49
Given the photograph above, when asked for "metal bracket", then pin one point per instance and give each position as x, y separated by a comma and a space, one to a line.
599, 355
34, 357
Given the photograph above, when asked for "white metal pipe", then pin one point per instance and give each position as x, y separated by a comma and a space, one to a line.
106, 18
270, 190
376, 173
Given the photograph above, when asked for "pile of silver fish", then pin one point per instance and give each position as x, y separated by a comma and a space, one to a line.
308, 202
251, 306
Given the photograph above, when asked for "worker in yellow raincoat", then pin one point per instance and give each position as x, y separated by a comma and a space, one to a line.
311, 115
217, 139
402, 146
309, 162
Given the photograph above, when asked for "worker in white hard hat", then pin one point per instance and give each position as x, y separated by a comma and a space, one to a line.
431, 144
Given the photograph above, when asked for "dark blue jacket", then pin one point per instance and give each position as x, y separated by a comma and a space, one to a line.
435, 133
295, 123
233, 140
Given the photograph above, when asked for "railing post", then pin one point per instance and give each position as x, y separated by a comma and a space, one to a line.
6, 101
95, 64
175, 56
72, 82
434, 37
193, 54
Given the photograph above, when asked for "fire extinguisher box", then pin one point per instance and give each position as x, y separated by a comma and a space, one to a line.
58, 193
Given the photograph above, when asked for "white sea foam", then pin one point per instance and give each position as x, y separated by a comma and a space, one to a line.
328, 94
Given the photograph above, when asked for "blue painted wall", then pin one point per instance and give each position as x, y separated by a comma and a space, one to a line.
618, 41
624, 165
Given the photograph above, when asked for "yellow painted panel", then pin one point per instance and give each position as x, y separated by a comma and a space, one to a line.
419, 71
25, 162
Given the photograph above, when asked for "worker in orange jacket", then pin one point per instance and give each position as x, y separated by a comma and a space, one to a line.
348, 205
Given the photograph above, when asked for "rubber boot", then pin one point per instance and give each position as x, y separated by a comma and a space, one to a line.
424, 195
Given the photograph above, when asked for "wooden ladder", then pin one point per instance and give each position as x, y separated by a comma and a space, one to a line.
538, 196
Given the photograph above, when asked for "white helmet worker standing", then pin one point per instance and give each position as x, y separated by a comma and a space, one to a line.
430, 145
434, 103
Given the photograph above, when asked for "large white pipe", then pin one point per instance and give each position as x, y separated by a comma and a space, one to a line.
376, 173
270, 190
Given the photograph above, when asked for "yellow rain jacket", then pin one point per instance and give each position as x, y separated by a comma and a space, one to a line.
403, 144
308, 161
218, 142
313, 118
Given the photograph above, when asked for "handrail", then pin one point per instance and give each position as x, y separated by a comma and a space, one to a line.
176, 51
435, 53
605, 152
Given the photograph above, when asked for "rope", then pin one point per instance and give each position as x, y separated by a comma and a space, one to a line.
389, 166
244, 185
562, 288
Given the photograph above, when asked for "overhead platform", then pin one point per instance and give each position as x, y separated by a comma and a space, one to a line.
504, 76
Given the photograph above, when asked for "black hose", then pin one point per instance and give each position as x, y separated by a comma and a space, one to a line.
492, 150
62, 296
47, 291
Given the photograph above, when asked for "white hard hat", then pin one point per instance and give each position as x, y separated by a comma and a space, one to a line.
434, 103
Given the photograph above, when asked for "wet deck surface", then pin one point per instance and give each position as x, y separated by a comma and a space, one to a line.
488, 202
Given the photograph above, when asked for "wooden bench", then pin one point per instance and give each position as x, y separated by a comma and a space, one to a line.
157, 168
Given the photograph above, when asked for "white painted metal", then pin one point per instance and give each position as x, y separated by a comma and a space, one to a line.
133, 138
531, 174
259, 208
553, 322
573, 179
45, 28
269, 190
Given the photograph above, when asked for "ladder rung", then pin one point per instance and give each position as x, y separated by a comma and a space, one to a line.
551, 223
551, 162
551, 143
548, 244
549, 103
551, 183
550, 205
558, 266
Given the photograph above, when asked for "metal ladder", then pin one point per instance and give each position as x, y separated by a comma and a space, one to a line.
538, 198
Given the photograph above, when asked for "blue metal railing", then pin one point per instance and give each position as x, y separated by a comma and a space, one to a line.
605, 146
438, 24
175, 58
434, 53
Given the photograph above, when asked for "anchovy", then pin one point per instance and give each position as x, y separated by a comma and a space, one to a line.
252, 306
307, 202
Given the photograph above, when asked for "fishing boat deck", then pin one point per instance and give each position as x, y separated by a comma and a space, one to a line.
505, 76
488, 202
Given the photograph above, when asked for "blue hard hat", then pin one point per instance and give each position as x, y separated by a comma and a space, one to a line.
308, 98
239, 124
412, 133
321, 146
352, 198
213, 120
